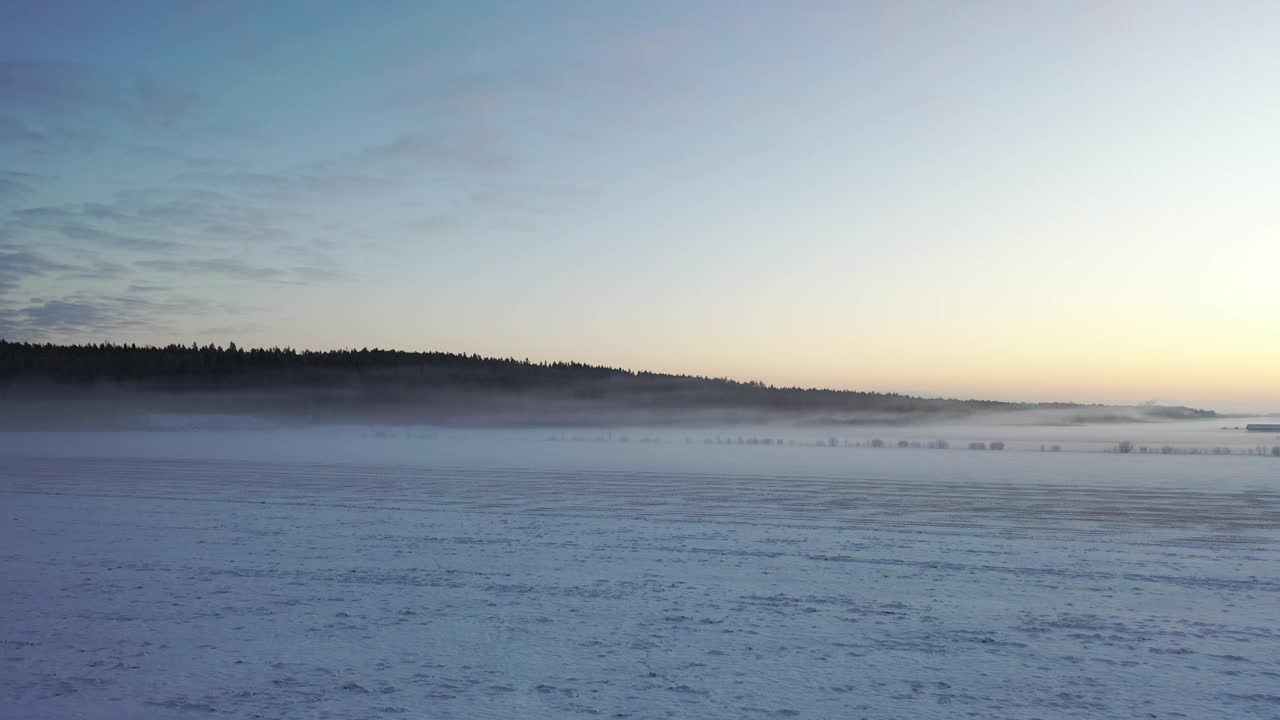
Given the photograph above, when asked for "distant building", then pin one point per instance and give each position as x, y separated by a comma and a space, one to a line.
1262, 427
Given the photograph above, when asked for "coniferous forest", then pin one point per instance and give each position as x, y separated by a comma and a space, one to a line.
437, 386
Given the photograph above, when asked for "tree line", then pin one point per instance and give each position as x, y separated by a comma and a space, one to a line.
194, 367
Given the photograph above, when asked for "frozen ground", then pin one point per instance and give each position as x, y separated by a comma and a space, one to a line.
369, 574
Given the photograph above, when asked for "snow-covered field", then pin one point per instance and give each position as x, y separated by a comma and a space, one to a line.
355, 573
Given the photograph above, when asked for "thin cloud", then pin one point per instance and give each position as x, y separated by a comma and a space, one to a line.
60, 315
16, 131
99, 236
87, 225
227, 267
471, 149
98, 269
12, 189
148, 288
319, 275
15, 267
240, 270
14, 185
151, 226
248, 328
241, 181
81, 315
65, 93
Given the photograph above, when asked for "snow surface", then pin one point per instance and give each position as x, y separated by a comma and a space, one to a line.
368, 573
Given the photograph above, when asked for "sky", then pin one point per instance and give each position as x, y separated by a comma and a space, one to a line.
1029, 201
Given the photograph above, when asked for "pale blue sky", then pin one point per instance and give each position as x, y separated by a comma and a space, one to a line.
1025, 200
